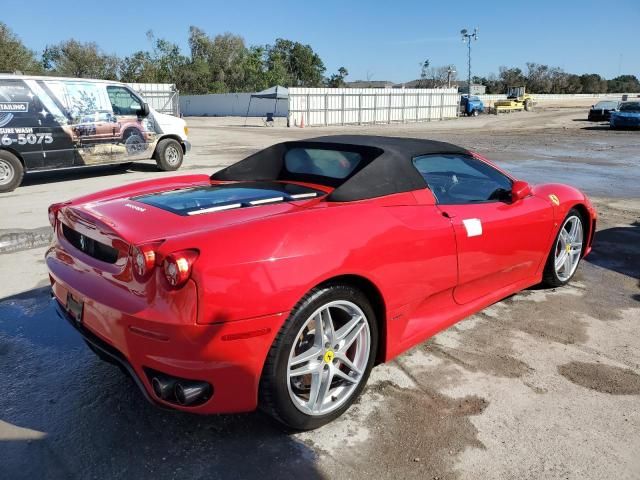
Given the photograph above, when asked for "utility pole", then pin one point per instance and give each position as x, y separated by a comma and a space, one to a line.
467, 37
450, 71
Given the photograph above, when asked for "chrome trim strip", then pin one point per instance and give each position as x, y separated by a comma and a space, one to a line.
304, 195
215, 209
266, 200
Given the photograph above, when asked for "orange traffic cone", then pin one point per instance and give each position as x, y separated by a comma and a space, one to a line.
302, 122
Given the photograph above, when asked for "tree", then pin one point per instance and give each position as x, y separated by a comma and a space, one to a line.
163, 64
593, 83
510, 77
337, 79
295, 64
624, 84
424, 74
15, 56
76, 59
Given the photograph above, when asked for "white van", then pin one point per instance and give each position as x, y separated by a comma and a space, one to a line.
48, 123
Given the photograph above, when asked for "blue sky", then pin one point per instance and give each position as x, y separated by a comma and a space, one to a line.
385, 40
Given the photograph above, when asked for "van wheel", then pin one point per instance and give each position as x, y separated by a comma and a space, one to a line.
169, 155
11, 171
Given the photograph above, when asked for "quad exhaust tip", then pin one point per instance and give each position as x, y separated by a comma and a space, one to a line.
180, 391
191, 393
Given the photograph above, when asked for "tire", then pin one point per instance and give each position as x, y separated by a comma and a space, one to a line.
287, 398
169, 155
11, 171
474, 113
557, 276
528, 105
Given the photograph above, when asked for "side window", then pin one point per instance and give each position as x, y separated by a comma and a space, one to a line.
459, 179
123, 102
84, 101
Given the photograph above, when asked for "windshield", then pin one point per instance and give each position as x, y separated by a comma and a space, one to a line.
607, 105
630, 107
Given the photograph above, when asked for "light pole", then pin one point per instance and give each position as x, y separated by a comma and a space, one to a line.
467, 37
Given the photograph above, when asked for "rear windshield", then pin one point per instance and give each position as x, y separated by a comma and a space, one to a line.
213, 198
337, 164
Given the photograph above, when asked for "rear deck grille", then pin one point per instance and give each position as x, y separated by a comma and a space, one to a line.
91, 247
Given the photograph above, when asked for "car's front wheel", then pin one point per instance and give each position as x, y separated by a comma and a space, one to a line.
566, 252
321, 359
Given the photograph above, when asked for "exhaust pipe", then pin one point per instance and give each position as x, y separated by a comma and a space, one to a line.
163, 387
188, 393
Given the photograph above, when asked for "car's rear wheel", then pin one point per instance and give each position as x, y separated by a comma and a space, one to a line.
169, 154
321, 359
11, 171
566, 252
474, 113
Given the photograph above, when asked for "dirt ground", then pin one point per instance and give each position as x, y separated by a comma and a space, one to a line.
544, 384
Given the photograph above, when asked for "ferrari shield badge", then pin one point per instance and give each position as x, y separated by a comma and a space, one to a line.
554, 199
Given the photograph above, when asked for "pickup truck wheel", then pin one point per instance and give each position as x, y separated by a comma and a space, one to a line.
11, 171
169, 155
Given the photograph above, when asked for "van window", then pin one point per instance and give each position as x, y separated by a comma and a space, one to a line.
84, 99
123, 101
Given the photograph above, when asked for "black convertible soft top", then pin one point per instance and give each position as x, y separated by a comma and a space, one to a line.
386, 168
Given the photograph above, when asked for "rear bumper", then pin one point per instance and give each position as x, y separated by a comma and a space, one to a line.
229, 356
104, 350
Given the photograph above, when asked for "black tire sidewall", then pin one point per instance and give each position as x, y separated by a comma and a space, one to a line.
18, 170
276, 379
161, 161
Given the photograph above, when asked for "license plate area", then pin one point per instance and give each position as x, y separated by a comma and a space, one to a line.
75, 308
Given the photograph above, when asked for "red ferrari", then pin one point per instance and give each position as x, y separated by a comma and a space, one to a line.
280, 281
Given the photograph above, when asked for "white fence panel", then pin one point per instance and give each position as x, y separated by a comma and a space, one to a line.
348, 106
163, 97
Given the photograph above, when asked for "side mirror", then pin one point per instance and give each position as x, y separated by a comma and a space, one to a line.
519, 190
144, 111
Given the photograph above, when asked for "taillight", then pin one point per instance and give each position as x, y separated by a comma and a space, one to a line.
143, 259
177, 267
53, 213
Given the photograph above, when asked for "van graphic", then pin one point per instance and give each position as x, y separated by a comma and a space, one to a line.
48, 123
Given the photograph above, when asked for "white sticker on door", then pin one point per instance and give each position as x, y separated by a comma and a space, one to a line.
473, 227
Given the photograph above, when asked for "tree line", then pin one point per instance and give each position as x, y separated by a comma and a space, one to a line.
539, 78
225, 63
219, 64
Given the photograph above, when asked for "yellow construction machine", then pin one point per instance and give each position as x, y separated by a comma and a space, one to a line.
517, 100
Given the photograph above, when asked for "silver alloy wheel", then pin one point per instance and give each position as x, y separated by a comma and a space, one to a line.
171, 155
328, 358
568, 248
7, 172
